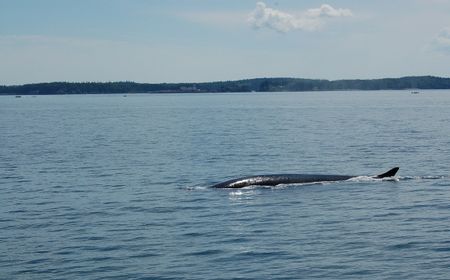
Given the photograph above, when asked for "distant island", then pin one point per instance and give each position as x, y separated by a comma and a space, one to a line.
249, 85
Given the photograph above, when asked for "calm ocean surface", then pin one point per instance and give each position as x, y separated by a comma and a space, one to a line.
114, 187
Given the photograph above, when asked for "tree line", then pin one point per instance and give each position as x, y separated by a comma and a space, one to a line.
249, 85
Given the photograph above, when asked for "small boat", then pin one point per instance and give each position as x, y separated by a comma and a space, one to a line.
18, 96
414, 92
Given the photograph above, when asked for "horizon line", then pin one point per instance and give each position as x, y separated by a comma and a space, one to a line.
219, 81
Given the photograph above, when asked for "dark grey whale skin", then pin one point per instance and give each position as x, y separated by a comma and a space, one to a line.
277, 179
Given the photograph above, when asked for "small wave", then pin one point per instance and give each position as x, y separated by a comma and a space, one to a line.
442, 249
207, 252
434, 177
373, 179
242, 192
405, 245
195, 188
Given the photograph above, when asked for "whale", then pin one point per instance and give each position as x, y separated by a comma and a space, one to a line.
278, 179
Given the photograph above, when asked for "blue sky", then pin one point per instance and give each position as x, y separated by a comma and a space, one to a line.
198, 40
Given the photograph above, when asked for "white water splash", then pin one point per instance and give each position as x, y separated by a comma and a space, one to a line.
372, 179
242, 194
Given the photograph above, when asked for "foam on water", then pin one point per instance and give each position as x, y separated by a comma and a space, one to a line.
372, 179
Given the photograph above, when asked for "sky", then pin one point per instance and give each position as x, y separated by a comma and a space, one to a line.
157, 41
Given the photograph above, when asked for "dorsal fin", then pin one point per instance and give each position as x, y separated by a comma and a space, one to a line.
390, 173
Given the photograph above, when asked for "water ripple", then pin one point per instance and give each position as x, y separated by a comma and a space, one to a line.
101, 187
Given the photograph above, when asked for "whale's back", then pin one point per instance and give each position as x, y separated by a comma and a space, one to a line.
277, 179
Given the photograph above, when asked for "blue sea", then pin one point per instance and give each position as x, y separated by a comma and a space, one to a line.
117, 186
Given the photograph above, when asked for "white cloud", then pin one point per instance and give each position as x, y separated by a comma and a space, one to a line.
442, 41
328, 11
311, 20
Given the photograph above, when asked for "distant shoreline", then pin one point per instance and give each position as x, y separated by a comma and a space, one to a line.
249, 85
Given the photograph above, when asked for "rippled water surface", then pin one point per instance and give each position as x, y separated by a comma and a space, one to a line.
116, 187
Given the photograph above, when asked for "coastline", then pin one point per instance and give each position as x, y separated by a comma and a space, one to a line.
249, 85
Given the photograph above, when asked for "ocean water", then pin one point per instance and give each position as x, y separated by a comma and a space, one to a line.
117, 187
